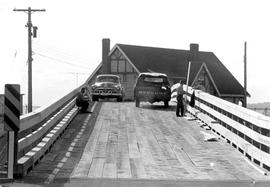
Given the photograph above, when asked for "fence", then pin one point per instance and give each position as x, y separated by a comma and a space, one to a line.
40, 129
1, 114
25, 109
265, 111
246, 130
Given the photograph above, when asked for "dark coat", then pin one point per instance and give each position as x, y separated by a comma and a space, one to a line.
192, 100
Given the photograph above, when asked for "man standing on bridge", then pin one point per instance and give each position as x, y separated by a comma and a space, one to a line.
82, 100
180, 100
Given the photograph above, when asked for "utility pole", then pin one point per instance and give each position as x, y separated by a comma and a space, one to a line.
30, 59
77, 75
245, 76
189, 64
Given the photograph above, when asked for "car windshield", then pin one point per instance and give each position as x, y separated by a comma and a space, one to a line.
108, 79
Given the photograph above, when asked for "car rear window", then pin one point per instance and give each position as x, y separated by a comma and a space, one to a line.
153, 79
147, 80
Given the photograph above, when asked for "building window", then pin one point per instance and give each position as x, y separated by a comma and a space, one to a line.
129, 67
204, 83
119, 63
117, 53
114, 66
121, 66
113, 57
122, 57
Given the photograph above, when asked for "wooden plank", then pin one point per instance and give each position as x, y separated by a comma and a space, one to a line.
40, 150
96, 168
84, 164
112, 144
137, 168
189, 138
151, 143
109, 170
34, 136
123, 168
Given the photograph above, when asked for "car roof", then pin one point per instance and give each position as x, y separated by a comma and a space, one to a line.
107, 75
153, 74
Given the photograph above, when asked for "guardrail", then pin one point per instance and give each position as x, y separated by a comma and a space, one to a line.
246, 130
40, 129
265, 111
1, 114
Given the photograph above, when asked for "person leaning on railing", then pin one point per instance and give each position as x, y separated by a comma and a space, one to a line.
82, 100
180, 100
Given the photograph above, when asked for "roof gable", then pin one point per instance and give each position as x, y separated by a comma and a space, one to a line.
204, 67
116, 47
226, 83
174, 63
157, 59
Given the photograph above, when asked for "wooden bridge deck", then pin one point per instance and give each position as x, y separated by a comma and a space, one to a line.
141, 143
150, 142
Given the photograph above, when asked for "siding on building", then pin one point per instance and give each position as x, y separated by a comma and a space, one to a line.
120, 66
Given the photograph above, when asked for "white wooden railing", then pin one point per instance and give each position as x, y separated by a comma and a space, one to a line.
40, 129
246, 130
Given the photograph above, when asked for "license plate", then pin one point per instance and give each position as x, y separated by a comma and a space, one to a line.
150, 93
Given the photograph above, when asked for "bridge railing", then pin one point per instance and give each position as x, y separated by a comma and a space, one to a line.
246, 130
40, 129
265, 111
1, 115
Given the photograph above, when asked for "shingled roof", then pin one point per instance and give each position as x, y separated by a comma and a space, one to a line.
174, 63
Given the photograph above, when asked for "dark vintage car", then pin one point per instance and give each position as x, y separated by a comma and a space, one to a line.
107, 86
152, 87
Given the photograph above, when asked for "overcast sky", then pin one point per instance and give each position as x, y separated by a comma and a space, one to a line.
70, 34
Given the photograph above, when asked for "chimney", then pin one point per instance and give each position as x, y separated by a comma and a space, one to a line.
106, 68
194, 52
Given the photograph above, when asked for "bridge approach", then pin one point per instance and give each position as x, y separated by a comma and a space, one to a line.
120, 144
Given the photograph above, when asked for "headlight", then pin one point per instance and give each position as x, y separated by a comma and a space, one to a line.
94, 87
118, 87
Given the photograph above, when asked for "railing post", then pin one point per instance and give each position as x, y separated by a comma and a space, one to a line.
12, 124
265, 111
10, 154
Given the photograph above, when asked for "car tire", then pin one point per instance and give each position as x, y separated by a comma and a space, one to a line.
166, 104
94, 98
119, 99
137, 102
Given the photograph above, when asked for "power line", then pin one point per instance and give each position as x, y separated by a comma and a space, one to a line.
245, 75
77, 75
60, 60
59, 52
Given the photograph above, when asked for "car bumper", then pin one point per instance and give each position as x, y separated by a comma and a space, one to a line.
153, 96
107, 94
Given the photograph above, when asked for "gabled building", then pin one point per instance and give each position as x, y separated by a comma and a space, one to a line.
206, 71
